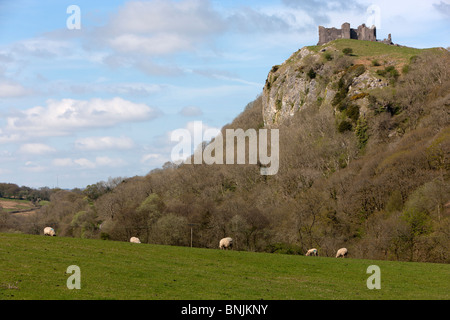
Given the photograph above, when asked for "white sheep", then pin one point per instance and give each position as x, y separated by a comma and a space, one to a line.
312, 252
226, 243
135, 240
342, 253
48, 231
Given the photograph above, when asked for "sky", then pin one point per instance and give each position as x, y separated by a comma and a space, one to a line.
95, 93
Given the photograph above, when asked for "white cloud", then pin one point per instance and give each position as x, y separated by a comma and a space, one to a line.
104, 143
36, 149
152, 45
10, 89
151, 157
33, 167
60, 117
63, 162
108, 162
121, 89
160, 27
42, 47
320, 11
85, 163
154, 159
443, 8
89, 164
188, 17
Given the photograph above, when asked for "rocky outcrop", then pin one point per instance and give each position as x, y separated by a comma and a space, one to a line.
307, 80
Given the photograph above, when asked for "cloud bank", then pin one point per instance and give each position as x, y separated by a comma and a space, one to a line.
61, 117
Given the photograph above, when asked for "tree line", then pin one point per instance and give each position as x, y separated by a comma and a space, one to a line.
13, 191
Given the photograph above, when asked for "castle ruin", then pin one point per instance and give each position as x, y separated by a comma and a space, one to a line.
362, 33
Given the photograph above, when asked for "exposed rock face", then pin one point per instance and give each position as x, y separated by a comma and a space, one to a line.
305, 80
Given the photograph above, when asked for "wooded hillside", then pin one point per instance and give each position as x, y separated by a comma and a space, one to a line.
375, 182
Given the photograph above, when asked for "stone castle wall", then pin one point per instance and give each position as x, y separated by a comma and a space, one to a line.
362, 33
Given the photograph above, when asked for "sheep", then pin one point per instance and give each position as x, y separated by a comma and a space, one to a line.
135, 240
48, 231
226, 243
312, 252
342, 253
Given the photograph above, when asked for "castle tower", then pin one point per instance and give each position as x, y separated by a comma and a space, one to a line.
365, 33
345, 30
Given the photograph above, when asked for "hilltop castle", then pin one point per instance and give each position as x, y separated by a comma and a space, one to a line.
362, 33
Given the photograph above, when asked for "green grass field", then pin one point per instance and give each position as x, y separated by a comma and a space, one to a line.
34, 267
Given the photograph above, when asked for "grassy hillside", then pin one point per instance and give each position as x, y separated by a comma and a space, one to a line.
375, 55
34, 267
369, 48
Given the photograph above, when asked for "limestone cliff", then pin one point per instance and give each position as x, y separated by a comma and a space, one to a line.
319, 76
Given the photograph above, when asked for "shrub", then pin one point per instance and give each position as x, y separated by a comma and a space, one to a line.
342, 106
104, 236
353, 112
390, 73
328, 56
394, 74
361, 131
405, 69
279, 104
347, 51
381, 73
356, 70
338, 98
284, 248
344, 126
376, 63
311, 74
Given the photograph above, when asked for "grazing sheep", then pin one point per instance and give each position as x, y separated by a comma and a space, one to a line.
342, 253
135, 240
226, 243
312, 252
48, 231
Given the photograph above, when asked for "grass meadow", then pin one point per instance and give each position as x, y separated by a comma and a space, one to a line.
34, 268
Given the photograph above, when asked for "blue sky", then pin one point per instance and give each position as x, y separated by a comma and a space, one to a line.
78, 106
